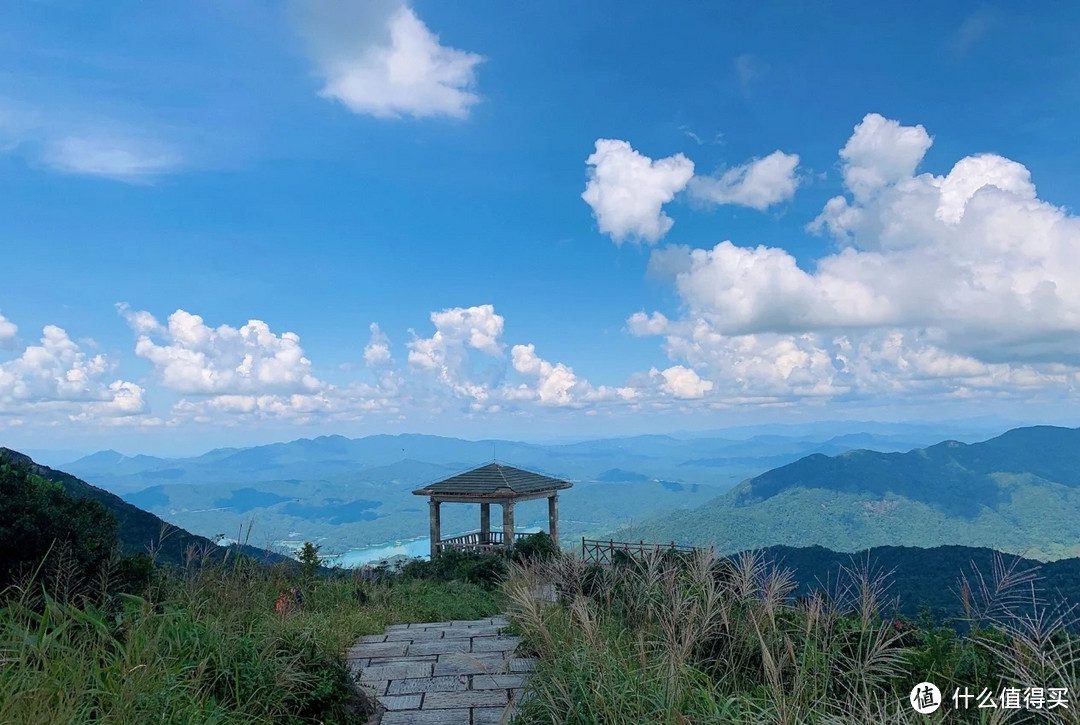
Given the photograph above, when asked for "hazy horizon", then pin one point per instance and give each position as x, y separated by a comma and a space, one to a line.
972, 426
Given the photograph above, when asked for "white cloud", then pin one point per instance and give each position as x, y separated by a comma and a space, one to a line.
556, 384
116, 158
758, 183
56, 379
682, 382
641, 324
7, 331
961, 284
880, 153
85, 143
195, 358
627, 190
446, 353
379, 58
377, 351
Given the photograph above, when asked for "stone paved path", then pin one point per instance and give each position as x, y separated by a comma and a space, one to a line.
442, 673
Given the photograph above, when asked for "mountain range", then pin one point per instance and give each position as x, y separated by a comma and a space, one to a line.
347, 493
1018, 492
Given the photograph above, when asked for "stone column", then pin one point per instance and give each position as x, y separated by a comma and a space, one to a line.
436, 534
553, 518
485, 522
508, 523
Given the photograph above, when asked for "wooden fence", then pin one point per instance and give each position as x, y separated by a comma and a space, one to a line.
474, 541
595, 551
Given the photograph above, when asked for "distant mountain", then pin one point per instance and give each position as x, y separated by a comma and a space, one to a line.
1018, 492
294, 489
138, 529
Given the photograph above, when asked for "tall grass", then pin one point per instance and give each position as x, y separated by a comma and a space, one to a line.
204, 644
679, 640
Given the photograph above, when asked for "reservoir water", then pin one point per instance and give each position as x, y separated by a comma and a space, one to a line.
369, 554
411, 548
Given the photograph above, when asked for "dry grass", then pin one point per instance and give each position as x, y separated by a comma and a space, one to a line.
700, 640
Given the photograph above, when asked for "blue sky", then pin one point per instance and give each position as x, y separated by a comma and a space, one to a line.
183, 186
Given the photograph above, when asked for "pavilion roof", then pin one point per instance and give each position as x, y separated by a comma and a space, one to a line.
494, 480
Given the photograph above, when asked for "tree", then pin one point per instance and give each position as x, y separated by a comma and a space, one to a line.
37, 515
309, 559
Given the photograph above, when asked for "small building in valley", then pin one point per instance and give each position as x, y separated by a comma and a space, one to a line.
492, 483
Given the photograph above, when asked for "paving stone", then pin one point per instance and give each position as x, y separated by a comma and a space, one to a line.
378, 649
492, 715
424, 674
394, 660
467, 664
487, 630
439, 647
519, 695
495, 644
497, 682
402, 634
446, 683
375, 688
401, 702
522, 664
402, 671
471, 698
458, 716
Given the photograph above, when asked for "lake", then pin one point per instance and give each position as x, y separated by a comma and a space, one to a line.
411, 548
369, 554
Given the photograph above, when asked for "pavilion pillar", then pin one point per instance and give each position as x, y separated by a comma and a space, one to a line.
553, 518
508, 523
436, 534
485, 523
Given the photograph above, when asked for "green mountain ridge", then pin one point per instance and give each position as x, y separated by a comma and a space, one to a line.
1018, 492
138, 529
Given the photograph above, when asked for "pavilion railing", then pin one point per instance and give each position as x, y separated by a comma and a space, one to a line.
595, 551
476, 541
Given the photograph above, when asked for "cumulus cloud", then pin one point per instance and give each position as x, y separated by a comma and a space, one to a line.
682, 382
446, 353
459, 330
627, 190
379, 58
377, 351
950, 284
556, 384
56, 379
191, 357
881, 153
759, 183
